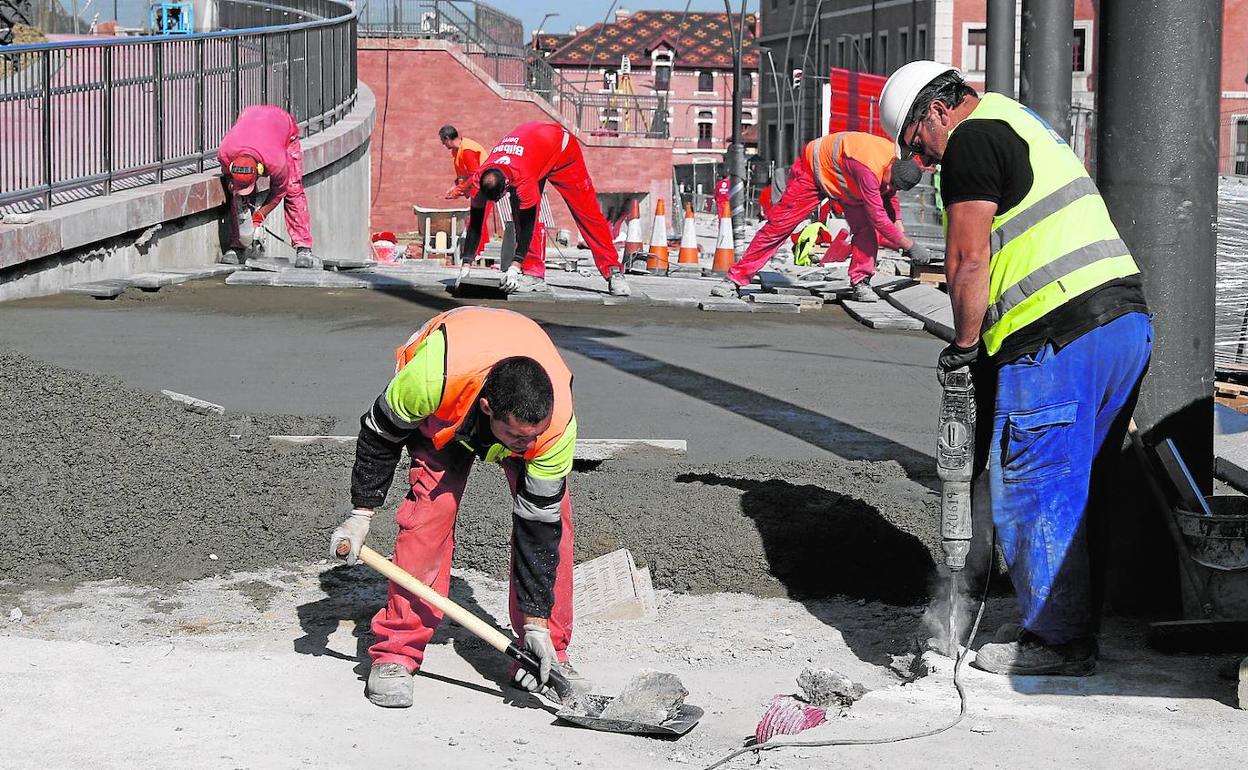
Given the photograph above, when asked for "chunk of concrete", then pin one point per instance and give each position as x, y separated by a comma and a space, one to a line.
724, 305
271, 265
107, 289
773, 299
650, 697
825, 687
155, 280
196, 405
336, 264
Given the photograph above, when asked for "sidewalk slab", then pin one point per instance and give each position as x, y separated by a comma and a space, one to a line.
155, 280
107, 289
924, 302
880, 315
724, 305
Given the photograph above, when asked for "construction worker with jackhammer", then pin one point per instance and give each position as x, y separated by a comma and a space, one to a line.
1049, 313
472, 383
520, 165
860, 172
264, 143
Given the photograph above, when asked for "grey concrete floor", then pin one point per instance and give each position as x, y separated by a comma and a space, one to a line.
734, 385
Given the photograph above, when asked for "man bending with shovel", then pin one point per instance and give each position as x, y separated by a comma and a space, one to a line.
484, 383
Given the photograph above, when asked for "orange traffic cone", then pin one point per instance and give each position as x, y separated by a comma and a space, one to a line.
725, 250
632, 237
658, 240
688, 254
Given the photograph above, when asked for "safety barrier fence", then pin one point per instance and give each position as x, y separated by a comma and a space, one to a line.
85, 118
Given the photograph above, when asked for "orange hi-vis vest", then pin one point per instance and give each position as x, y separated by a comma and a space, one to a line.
825, 157
477, 338
466, 146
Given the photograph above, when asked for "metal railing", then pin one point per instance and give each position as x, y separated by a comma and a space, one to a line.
494, 42
85, 118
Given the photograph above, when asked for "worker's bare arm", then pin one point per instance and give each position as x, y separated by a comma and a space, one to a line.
967, 255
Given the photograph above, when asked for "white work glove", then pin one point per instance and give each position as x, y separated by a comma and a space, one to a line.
511, 278
919, 254
536, 641
352, 531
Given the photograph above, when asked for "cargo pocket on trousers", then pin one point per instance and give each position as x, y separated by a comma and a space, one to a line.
1037, 443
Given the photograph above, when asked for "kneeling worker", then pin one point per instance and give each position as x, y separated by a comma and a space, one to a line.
264, 142
472, 383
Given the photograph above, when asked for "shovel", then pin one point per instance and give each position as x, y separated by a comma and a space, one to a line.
578, 709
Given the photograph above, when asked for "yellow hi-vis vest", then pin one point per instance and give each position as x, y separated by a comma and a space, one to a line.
1057, 243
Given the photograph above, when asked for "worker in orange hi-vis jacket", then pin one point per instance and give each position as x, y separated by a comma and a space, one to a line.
466, 157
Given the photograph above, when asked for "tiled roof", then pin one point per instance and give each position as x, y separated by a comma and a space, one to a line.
549, 41
701, 40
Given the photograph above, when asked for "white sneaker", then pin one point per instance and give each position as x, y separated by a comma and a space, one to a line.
230, 257
528, 283
616, 285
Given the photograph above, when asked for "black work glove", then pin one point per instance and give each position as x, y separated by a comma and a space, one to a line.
954, 357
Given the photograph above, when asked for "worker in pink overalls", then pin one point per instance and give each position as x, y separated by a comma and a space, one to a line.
264, 142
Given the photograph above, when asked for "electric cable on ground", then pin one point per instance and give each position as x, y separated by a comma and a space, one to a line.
957, 684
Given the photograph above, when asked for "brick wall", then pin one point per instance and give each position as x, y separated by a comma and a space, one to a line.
427, 84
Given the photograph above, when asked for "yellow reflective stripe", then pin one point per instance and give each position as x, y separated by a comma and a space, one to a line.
1042, 209
416, 391
556, 461
1051, 271
814, 164
836, 168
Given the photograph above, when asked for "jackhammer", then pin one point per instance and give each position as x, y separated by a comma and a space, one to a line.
955, 458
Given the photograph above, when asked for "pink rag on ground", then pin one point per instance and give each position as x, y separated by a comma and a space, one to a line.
786, 715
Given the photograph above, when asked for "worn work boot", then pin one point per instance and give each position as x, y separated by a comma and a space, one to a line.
304, 258
726, 289
389, 685
231, 257
862, 292
529, 283
616, 285
1027, 655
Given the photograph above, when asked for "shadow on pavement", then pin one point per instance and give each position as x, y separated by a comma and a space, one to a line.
356, 593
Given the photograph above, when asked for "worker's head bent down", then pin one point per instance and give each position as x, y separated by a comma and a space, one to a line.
518, 399
244, 170
493, 183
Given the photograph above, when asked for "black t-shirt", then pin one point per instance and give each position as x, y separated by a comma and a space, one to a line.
986, 160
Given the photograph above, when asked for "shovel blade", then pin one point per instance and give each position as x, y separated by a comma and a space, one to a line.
675, 727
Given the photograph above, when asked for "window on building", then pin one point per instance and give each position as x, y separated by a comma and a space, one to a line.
663, 71
840, 53
904, 54
975, 49
706, 128
867, 61
706, 80
881, 51
920, 42
1080, 51
1241, 146
747, 116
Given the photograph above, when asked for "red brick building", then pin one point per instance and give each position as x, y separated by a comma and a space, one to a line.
683, 60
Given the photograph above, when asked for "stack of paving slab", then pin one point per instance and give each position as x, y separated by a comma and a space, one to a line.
111, 288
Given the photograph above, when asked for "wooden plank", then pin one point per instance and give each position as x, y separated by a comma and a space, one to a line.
590, 449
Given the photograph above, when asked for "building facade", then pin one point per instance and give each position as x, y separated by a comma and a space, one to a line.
878, 37
683, 61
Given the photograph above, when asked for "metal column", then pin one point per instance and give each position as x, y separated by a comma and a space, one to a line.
1047, 57
1157, 151
1001, 47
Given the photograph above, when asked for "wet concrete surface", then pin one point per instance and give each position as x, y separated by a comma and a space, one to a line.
734, 386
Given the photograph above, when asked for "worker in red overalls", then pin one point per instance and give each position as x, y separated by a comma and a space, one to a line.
466, 157
859, 172
520, 165
264, 142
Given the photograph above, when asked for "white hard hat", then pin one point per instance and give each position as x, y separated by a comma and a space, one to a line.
902, 89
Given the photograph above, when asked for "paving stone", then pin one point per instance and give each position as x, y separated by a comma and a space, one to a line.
924, 302
531, 297
250, 278
346, 264
207, 271
763, 298
267, 264
107, 289
574, 295
791, 291
880, 315
684, 302
153, 281
638, 297
725, 305
772, 307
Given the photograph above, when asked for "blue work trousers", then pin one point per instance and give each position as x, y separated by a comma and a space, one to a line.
1055, 413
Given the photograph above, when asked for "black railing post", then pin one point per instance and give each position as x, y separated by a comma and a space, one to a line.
236, 83
199, 104
106, 137
307, 88
290, 85
323, 70
264, 68
158, 106
47, 129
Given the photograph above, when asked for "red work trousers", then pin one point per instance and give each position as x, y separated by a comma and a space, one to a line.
801, 197
571, 179
424, 547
